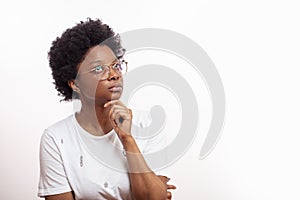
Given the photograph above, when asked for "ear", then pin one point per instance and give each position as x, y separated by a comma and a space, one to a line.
74, 85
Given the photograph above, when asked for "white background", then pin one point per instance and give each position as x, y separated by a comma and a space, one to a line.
255, 46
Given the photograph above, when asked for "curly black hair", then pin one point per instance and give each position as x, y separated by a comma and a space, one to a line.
69, 50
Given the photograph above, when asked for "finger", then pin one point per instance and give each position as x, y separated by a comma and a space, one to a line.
120, 117
114, 107
130, 112
118, 114
125, 110
164, 179
171, 187
113, 102
169, 195
114, 119
118, 106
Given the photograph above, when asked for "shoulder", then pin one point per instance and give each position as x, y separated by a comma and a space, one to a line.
59, 129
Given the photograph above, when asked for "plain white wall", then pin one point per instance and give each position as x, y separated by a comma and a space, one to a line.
255, 47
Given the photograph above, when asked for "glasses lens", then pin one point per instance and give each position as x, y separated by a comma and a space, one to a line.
120, 67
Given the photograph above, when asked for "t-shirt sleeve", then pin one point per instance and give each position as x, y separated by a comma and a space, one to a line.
53, 179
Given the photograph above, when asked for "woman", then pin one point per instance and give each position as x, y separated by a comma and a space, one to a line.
87, 64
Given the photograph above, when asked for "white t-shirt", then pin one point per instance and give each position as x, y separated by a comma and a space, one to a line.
93, 167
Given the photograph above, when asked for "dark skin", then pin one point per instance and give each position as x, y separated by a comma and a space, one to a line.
101, 112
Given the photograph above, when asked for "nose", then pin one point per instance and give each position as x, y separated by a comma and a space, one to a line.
113, 75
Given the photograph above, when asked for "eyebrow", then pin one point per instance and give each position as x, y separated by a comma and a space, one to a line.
95, 61
100, 61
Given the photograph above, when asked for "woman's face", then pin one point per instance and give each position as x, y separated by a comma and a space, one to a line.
93, 89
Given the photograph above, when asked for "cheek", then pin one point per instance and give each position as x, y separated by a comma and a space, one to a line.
94, 89
88, 87
102, 92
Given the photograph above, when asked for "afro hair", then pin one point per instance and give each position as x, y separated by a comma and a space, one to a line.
68, 51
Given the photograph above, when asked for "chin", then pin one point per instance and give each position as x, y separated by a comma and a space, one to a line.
115, 96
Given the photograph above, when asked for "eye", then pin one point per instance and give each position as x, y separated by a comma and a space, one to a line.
118, 66
98, 69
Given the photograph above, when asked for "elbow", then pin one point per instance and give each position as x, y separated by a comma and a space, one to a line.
154, 194
152, 197
158, 194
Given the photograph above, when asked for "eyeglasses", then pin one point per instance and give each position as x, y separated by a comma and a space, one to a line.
101, 72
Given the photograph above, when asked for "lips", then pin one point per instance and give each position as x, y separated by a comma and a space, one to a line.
116, 88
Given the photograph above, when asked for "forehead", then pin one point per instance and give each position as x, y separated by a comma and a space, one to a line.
99, 53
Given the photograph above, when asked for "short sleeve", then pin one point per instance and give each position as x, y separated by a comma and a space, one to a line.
53, 179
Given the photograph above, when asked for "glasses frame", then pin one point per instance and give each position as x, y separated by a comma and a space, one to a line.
107, 69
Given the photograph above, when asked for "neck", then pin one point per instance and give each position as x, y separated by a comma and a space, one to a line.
94, 119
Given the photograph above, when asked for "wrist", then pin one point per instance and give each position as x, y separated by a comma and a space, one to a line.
126, 139
128, 143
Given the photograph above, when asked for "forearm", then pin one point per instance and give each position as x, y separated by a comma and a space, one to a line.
144, 182
145, 185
